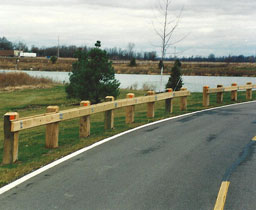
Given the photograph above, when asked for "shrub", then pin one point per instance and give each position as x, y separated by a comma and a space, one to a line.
53, 59
175, 80
92, 77
133, 62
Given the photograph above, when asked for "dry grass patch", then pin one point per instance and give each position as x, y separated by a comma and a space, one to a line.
142, 67
17, 79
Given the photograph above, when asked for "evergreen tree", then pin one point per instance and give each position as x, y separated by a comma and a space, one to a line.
133, 62
92, 77
175, 80
5, 44
53, 59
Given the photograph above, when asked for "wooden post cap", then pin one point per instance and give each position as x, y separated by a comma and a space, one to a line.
218, 86
52, 109
85, 103
248, 83
109, 98
130, 95
234, 84
206, 87
12, 115
169, 90
150, 93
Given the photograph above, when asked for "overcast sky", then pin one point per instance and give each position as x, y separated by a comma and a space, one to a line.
221, 27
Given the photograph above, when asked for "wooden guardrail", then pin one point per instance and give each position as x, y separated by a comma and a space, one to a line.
53, 116
220, 91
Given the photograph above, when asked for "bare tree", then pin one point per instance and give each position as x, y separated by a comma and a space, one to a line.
165, 24
20, 46
130, 48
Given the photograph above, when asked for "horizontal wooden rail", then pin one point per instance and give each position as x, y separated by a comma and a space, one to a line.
13, 124
220, 90
34, 121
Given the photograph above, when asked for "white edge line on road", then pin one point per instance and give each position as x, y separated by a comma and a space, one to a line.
57, 162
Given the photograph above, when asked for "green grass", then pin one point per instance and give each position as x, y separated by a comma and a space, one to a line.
32, 151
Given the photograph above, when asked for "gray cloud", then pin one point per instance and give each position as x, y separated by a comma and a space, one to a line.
220, 26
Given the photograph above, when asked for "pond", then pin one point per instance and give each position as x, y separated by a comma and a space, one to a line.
138, 81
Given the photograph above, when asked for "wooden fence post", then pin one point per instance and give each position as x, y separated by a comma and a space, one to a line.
151, 106
183, 101
11, 139
109, 115
52, 130
219, 95
206, 96
234, 93
85, 122
169, 102
130, 110
249, 92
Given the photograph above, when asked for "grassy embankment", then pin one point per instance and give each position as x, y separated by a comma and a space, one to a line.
40, 63
143, 67
190, 68
32, 152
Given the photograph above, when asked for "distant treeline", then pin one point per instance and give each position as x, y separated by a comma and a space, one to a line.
227, 59
116, 53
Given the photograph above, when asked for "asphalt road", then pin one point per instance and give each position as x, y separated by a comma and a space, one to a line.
177, 164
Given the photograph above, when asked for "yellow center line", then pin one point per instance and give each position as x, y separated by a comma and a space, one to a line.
221, 199
254, 138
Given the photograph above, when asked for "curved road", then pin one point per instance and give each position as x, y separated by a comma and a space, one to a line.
176, 164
